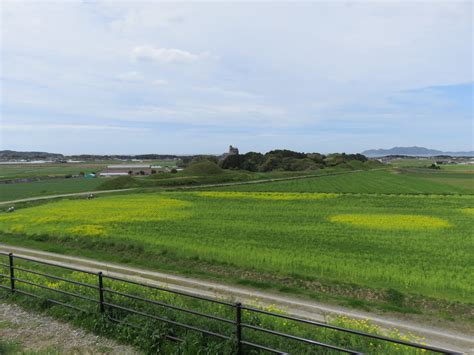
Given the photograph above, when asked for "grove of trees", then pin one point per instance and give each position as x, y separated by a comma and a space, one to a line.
288, 160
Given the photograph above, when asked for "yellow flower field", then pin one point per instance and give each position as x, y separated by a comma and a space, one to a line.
284, 196
391, 221
367, 240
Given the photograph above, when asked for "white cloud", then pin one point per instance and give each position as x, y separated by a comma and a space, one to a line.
160, 82
299, 65
164, 55
130, 76
68, 127
212, 114
216, 90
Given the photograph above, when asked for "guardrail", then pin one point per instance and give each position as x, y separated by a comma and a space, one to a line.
106, 306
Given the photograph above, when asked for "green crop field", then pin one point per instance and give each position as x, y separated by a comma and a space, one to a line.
375, 181
10, 192
426, 162
398, 242
13, 171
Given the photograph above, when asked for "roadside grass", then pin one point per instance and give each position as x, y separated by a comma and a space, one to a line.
8, 347
150, 335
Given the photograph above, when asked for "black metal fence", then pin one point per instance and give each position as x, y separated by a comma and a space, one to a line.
106, 305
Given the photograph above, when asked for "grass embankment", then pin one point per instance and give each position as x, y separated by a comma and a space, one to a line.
362, 247
150, 335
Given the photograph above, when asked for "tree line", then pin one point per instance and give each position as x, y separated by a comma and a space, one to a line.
281, 159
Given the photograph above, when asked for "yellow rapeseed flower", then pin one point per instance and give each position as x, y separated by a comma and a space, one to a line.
391, 221
266, 195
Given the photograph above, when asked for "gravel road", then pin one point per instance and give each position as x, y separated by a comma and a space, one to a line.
34, 332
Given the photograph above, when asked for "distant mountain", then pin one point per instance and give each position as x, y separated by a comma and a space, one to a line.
414, 151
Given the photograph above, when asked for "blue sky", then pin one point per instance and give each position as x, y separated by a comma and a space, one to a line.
161, 77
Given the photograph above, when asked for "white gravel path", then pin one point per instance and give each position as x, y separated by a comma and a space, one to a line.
39, 333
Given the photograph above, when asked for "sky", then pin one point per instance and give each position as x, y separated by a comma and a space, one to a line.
118, 77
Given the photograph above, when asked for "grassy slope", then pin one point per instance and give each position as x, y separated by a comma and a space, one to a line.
48, 187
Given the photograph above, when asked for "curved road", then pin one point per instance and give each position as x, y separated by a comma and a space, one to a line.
445, 338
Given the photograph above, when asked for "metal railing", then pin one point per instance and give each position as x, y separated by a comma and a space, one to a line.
106, 305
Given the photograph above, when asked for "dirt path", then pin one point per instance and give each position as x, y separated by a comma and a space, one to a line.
445, 338
26, 331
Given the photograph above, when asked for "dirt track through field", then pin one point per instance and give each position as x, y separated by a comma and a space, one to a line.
445, 338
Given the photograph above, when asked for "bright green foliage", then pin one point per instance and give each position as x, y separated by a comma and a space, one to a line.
297, 237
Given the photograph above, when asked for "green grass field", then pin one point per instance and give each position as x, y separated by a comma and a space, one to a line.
376, 242
355, 238
375, 181
13, 171
10, 192
426, 162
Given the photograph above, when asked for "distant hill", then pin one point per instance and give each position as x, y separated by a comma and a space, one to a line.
14, 155
11, 155
413, 151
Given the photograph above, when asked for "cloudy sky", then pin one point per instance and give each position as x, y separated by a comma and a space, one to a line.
102, 76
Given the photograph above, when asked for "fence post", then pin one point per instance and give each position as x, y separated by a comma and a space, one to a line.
12, 273
101, 293
238, 324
